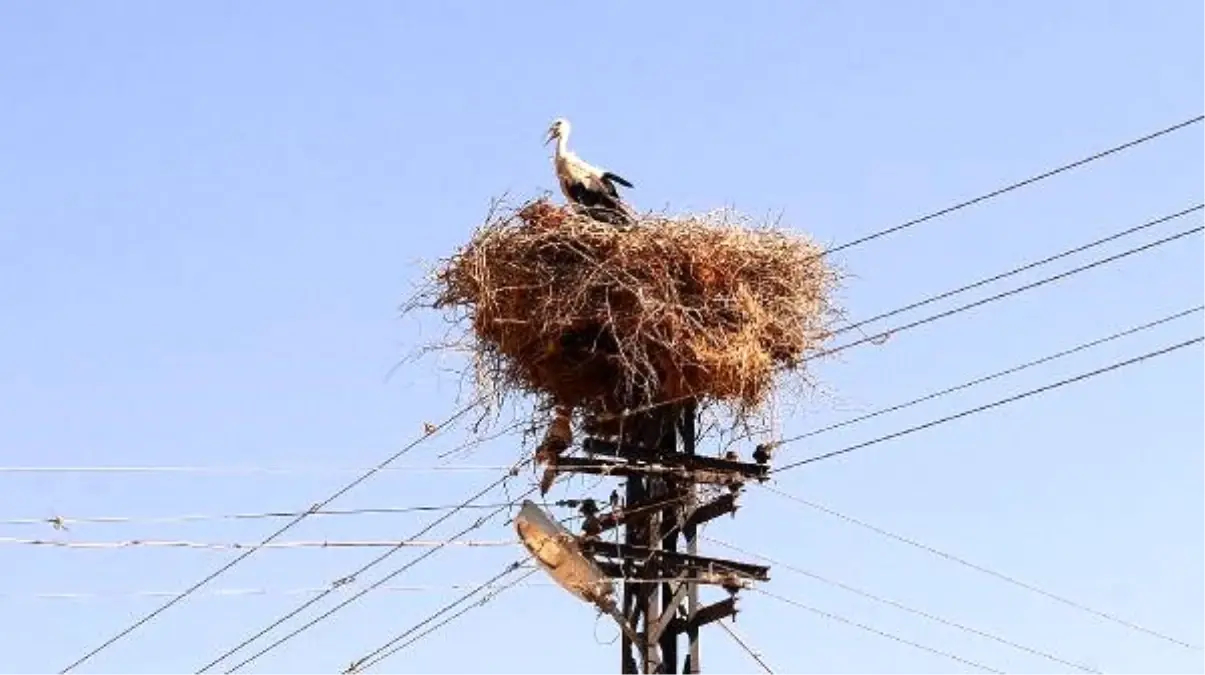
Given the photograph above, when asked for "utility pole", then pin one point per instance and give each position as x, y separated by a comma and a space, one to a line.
663, 507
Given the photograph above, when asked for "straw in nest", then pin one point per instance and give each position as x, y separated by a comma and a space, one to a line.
588, 315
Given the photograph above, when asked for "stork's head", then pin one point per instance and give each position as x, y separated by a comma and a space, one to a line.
559, 129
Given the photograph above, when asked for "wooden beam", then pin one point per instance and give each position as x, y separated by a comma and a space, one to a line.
629, 512
605, 467
595, 446
678, 561
669, 612
706, 614
711, 510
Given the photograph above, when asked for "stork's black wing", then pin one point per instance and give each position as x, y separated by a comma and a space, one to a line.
616, 178
590, 197
599, 205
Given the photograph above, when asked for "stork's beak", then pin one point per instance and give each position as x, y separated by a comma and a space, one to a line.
551, 135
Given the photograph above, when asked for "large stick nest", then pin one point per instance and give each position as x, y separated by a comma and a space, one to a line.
592, 316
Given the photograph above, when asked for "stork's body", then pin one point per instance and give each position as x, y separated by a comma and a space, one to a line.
587, 186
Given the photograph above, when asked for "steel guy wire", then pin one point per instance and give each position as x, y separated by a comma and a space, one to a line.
861, 626
269, 539
978, 568
911, 610
745, 646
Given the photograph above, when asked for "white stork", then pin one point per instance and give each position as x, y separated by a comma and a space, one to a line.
587, 186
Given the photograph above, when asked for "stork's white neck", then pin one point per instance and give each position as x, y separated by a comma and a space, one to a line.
562, 144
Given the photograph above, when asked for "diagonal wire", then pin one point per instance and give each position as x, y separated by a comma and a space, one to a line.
1046, 388
455, 616
878, 337
270, 538
325, 615
978, 568
1017, 185
388, 649
994, 404
1017, 270
898, 605
861, 240
1001, 373
380, 582
369, 565
849, 622
745, 645
392, 647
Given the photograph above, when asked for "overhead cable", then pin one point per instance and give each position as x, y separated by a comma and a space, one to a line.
1019, 184
989, 406
982, 569
267, 540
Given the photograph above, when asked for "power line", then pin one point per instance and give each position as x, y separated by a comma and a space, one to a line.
859, 241
235, 593
61, 522
1019, 184
745, 646
993, 404
243, 470
490, 596
284, 470
354, 575
253, 592
998, 374
849, 622
898, 605
979, 568
269, 539
877, 337
237, 546
457, 615
1023, 268
383, 580
480, 603
386, 650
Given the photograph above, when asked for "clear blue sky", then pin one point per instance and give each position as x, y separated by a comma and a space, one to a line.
209, 212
